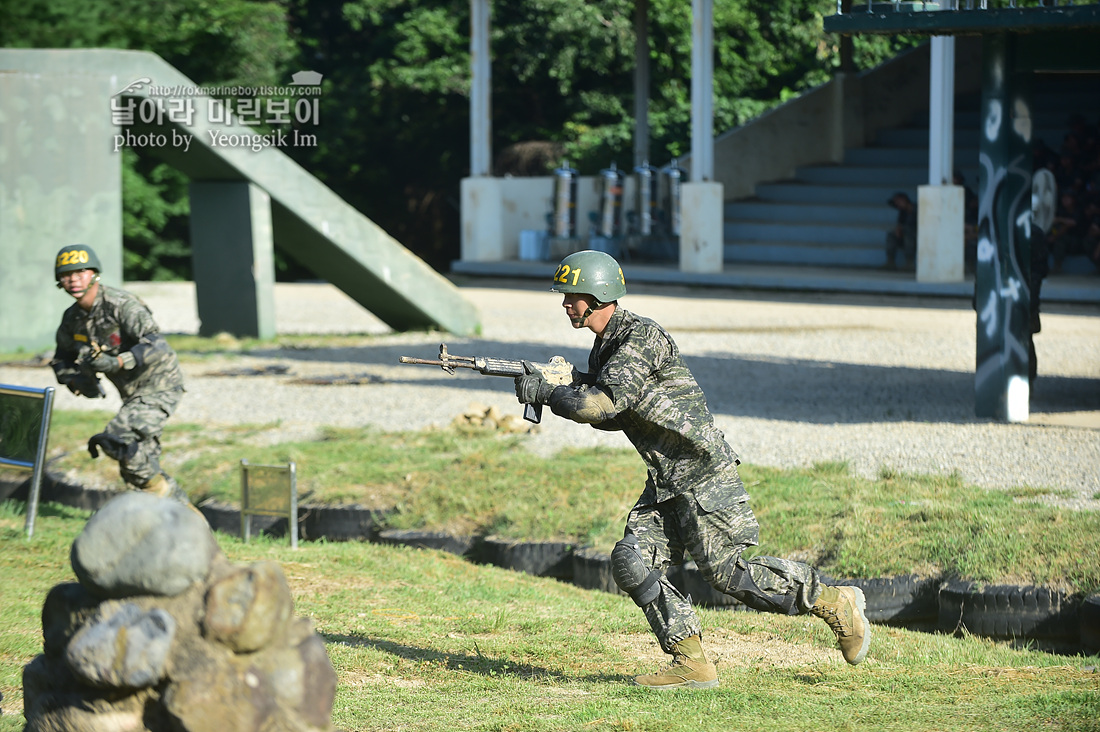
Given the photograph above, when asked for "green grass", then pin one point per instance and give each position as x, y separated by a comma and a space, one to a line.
478, 481
426, 641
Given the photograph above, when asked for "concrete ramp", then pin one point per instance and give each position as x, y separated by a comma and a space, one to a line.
244, 197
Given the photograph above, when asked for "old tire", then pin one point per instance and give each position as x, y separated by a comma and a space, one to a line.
592, 571
1008, 611
540, 558
438, 540
689, 580
1089, 618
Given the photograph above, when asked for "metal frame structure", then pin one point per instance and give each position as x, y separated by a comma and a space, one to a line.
289, 512
38, 465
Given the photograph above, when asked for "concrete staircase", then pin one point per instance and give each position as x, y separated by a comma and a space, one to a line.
837, 215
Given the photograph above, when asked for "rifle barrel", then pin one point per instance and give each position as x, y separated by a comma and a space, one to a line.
448, 365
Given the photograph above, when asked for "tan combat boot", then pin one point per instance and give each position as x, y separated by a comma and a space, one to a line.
165, 487
158, 485
689, 669
842, 608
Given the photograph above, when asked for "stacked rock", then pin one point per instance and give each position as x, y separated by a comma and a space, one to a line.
163, 632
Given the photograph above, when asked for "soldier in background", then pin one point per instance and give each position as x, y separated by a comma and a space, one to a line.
903, 235
694, 499
109, 331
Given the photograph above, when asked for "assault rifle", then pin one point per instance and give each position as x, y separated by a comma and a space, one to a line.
556, 371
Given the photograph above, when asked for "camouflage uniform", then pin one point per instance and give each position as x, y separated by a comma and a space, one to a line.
150, 383
694, 499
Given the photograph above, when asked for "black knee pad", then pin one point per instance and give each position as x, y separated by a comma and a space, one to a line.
742, 586
632, 574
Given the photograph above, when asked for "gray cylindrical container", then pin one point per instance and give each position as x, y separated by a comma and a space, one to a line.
674, 180
565, 202
611, 201
645, 178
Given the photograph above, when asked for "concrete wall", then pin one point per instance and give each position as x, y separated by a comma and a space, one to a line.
847, 112
59, 184
807, 129
895, 92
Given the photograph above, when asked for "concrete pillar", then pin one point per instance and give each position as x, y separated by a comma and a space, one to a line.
1002, 274
940, 212
232, 255
701, 228
60, 183
482, 237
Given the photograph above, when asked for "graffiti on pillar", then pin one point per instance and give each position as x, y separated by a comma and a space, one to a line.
1002, 286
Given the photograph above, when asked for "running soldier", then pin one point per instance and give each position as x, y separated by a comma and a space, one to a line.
109, 331
694, 499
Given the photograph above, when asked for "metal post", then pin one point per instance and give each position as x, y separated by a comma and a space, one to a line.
246, 518
293, 518
941, 111
702, 90
39, 461
481, 125
1002, 275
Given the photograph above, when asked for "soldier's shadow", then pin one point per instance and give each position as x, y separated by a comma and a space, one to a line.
475, 662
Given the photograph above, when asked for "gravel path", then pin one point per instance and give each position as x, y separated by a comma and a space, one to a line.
792, 380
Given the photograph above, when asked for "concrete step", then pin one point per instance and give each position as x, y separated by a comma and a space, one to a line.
843, 234
877, 214
1077, 264
897, 176
820, 193
1045, 118
907, 157
804, 254
918, 137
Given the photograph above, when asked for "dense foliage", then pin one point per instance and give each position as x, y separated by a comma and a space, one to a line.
394, 136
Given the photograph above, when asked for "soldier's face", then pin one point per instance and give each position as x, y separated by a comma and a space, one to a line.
576, 306
77, 282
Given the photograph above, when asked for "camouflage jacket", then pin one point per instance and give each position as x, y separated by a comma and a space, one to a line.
118, 323
663, 412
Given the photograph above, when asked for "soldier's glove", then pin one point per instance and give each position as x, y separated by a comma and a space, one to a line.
85, 387
533, 389
103, 363
113, 446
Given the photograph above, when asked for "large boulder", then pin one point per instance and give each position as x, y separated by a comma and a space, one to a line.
163, 632
140, 544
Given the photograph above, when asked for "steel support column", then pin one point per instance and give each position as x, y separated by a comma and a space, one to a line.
481, 123
702, 90
1002, 277
641, 82
941, 111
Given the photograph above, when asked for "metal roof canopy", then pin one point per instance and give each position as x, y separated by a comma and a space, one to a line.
883, 19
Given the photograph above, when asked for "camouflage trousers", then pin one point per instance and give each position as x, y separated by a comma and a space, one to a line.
715, 540
139, 424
